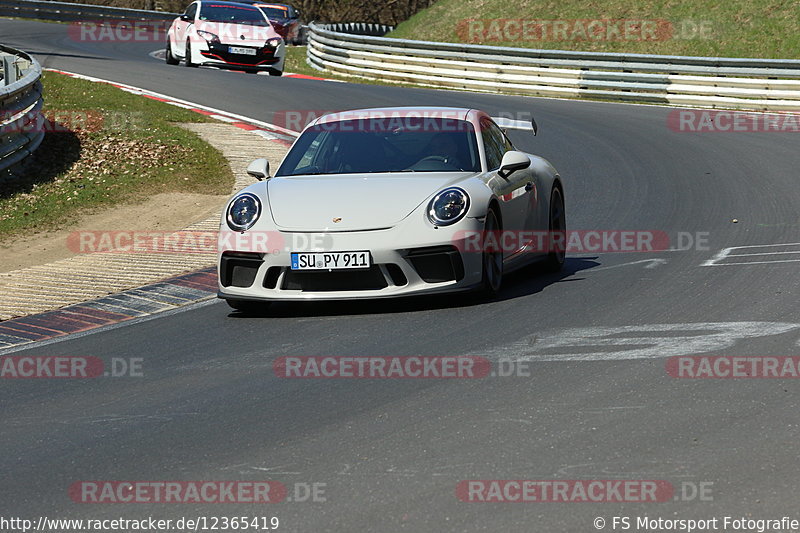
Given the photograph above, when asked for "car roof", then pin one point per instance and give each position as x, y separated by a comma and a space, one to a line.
224, 3
459, 113
265, 3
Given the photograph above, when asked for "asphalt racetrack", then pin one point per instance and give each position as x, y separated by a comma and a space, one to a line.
388, 455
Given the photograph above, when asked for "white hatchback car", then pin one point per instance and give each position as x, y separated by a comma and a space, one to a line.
226, 35
390, 202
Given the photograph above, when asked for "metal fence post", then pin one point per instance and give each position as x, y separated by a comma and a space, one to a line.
9, 70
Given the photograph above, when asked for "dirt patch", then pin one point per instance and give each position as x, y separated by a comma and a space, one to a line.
162, 212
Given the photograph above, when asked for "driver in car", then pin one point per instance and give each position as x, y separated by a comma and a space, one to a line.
445, 148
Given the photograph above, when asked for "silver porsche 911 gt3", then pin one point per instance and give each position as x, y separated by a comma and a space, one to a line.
390, 202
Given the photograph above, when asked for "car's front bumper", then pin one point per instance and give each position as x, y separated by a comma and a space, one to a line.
401, 266
217, 54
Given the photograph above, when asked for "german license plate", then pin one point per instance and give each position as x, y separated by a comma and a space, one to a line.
330, 260
242, 51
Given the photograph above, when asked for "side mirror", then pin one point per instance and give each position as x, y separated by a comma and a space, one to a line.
534, 126
259, 169
513, 161
185, 18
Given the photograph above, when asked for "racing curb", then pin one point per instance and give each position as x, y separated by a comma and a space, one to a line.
134, 303
66, 280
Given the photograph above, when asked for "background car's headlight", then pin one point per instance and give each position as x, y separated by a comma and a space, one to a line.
243, 212
448, 207
274, 42
208, 36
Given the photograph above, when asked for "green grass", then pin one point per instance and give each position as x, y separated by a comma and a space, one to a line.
735, 28
112, 147
296, 62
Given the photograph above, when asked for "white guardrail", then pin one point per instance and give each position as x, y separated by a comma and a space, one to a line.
729, 83
20, 106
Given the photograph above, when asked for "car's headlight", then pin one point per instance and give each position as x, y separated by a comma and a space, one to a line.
274, 42
208, 36
243, 211
448, 207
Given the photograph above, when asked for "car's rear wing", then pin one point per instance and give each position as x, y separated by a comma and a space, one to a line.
507, 123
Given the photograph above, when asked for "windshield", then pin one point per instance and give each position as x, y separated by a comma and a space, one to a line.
229, 13
384, 145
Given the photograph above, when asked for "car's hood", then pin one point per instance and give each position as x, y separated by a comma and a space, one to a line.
241, 34
357, 201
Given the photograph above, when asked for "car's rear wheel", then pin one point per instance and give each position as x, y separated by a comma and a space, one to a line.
558, 227
168, 57
273, 72
188, 58
491, 258
248, 306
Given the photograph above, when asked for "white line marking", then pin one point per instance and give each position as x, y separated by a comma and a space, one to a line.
756, 263
764, 245
621, 343
726, 253
722, 254
652, 263
763, 253
223, 118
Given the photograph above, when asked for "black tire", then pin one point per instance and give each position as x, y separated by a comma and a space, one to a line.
492, 260
188, 58
168, 57
558, 225
273, 72
250, 307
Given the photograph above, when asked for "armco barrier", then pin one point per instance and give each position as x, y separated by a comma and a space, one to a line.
730, 83
20, 106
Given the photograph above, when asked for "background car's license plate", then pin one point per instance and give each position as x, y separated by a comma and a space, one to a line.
243, 51
330, 260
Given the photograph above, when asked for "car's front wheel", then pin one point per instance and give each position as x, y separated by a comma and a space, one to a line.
168, 57
492, 257
188, 58
250, 307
